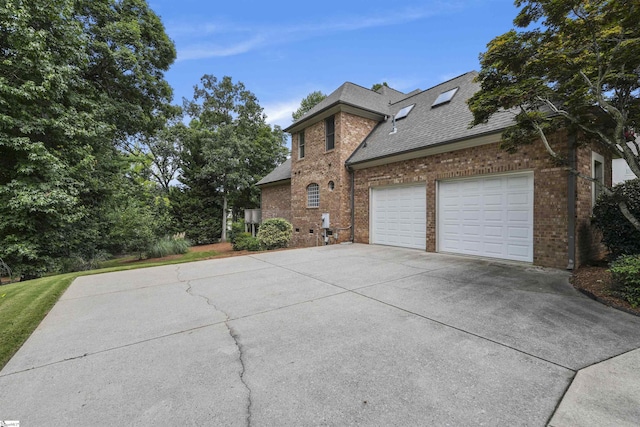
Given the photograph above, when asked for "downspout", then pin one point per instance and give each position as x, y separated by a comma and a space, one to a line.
353, 203
571, 203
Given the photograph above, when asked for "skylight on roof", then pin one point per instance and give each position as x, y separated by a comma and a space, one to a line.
404, 112
444, 97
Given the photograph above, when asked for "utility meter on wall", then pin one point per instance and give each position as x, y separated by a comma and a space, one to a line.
325, 220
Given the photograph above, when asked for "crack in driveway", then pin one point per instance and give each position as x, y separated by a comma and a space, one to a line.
233, 334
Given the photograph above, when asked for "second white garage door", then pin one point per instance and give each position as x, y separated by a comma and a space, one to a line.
490, 216
399, 216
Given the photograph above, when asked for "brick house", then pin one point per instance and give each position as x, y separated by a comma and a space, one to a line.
406, 170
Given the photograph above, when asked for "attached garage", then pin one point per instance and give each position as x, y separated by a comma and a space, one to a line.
399, 216
490, 216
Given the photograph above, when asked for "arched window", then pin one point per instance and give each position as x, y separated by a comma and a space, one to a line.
313, 195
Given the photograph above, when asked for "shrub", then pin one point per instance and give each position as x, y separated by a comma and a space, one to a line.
246, 242
236, 229
168, 246
626, 278
620, 237
239, 241
80, 263
275, 233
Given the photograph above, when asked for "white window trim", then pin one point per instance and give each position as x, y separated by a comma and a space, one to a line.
316, 200
595, 157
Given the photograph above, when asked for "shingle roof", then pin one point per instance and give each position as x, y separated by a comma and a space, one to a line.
357, 96
426, 126
392, 94
281, 173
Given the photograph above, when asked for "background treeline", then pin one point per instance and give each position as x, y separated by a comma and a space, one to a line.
95, 158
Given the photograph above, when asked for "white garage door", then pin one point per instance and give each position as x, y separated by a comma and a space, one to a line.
399, 216
490, 216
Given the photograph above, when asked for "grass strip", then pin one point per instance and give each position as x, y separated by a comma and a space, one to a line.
23, 305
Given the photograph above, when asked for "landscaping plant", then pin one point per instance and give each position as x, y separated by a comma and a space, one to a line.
275, 233
168, 246
246, 242
237, 228
626, 278
620, 237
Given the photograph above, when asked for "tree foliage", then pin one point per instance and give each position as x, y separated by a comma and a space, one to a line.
76, 79
574, 64
377, 86
164, 149
307, 103
618, 235
230, 146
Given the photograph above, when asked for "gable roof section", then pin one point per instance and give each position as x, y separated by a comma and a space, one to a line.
391, 94
428, 126
281, 173
351, 95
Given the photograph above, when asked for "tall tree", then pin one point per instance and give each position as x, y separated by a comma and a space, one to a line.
307, 103
232, 147
164, 149
76, 77
576, 65
377, 86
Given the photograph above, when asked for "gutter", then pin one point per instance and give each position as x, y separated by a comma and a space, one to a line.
327, 108
272, 183
353, 202
351, 163
571, 203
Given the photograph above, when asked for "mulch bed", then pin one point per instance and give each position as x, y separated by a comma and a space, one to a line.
595, 282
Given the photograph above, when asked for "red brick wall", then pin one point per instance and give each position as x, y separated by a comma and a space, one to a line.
550, 190
276, 201
550, 236
320, 166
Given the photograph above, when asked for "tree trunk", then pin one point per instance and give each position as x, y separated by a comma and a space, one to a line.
223, 238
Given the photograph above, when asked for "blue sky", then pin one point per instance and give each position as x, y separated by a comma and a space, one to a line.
282, 51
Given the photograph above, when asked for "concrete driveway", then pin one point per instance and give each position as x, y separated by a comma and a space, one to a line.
337, 335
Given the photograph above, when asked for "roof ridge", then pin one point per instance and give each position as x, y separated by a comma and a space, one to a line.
433, 87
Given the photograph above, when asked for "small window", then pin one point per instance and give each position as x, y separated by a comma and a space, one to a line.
404, 112
331, 186
330, 130
301, 145
444, 97
313, 196
597, 173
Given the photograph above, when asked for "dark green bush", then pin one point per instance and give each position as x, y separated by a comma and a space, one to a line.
246, 242
236, 229
626, 278
252, 244
620, 237
275, 233
79, 263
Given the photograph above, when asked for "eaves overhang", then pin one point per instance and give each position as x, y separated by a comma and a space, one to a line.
274, 183
330, 110
439, 148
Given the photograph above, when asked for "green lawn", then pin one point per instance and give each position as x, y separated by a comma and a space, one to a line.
23, 305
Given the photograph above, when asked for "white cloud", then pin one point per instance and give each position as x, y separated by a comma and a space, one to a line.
212, 51
191, 45
280, 113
